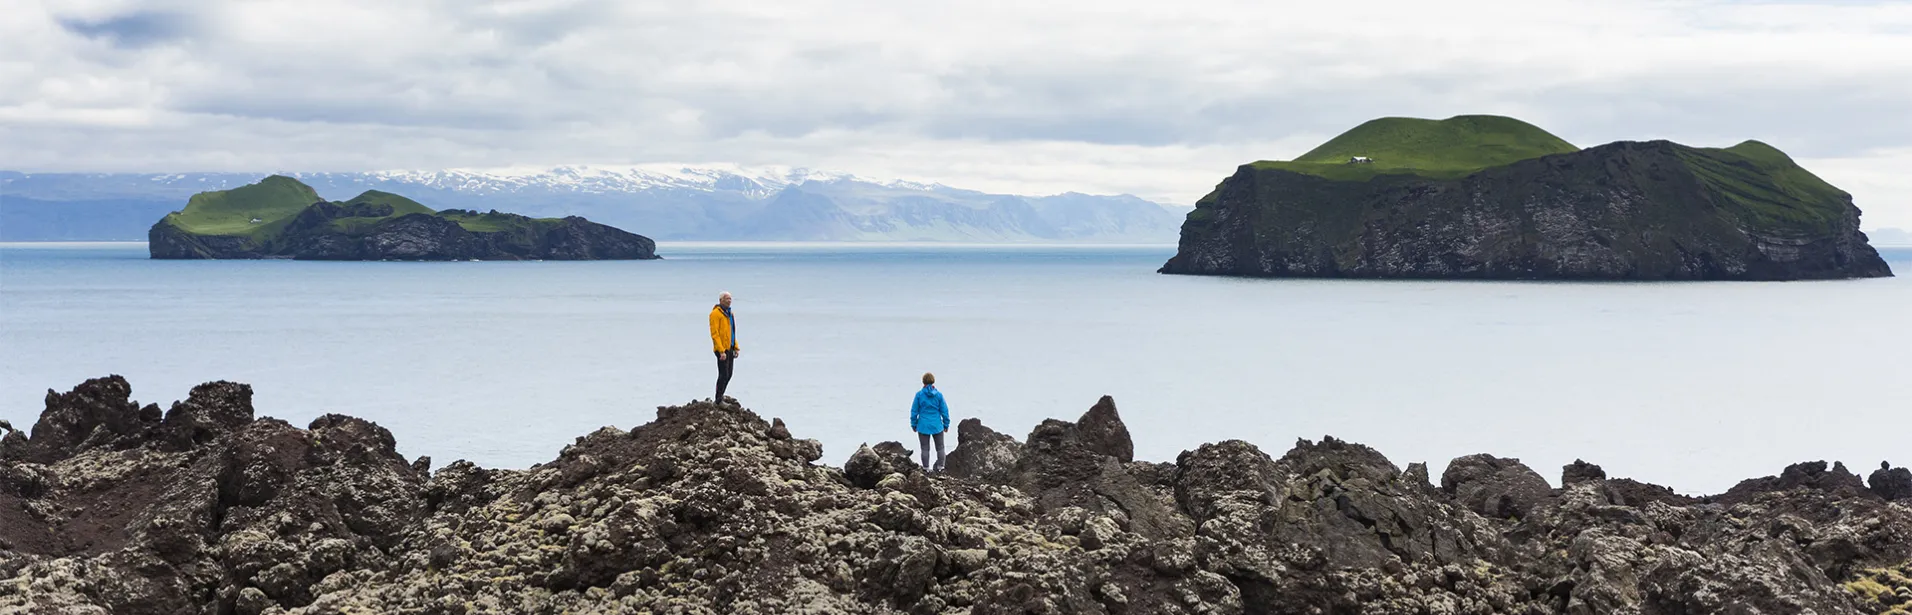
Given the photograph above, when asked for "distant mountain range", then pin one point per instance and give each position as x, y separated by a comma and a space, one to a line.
1891, 237
663, 203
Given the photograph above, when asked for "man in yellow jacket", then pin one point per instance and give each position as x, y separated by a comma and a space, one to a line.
723, 341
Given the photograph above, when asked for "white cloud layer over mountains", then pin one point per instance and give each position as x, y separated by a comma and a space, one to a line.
1156, 99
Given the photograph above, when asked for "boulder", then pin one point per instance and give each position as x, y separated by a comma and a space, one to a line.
1101, 430
1358, 511
1579, 472
1059, 468
865, 468
1891, 483
13, 445
983, 454
897, 458
1495, 487
211, 410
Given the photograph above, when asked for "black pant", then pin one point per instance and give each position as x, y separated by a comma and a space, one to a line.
923, 440
724, 361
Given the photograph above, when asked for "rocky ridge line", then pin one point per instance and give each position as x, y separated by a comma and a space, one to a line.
114, 507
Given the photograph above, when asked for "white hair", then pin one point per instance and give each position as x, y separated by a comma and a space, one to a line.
723, 295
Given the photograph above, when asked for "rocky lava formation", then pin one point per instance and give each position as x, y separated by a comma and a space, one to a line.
1623, 211
111, 507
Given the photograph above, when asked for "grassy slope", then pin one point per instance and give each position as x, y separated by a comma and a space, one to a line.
1439, 149
274, 201
400, 206
1759, 182
1765, 187
496, 222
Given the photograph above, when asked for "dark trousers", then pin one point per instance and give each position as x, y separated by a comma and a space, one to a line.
923, 440
724, 361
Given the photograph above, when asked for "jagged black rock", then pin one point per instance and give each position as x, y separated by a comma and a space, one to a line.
114, 507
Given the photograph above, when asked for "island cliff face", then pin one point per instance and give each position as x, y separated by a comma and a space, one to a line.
115, 507
1624, 211
282, 218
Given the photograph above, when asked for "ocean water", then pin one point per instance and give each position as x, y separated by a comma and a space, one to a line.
1693, 385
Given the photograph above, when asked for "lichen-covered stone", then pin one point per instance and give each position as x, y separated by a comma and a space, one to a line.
705, 510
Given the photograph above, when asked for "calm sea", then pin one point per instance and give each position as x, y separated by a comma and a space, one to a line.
1689, 385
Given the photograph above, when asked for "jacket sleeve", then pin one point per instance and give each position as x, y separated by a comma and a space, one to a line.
942, 406
916, 411
717, 332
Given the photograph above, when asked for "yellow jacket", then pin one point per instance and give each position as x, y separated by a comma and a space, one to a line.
722, 332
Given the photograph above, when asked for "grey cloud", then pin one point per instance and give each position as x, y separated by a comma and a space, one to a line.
1833, 117
535, 27
314, 109
133, 30
453, 83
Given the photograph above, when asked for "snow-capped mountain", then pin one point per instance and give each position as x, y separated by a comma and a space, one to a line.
614, 180
662, 201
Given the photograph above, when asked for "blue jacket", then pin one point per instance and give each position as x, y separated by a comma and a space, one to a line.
930, 413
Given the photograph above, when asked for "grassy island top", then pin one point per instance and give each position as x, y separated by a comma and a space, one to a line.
263, 209
1766, 186
1439, 149
1762, 184
272, 202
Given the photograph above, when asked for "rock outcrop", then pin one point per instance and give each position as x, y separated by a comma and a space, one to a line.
111, 506
981, 453
1495, 487
1891, 483
1580, 471
1623, 211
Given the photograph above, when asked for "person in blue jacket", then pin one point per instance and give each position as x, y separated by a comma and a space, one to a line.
929, 417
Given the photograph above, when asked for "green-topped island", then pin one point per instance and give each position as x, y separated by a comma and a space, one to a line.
279, 217
1487, 197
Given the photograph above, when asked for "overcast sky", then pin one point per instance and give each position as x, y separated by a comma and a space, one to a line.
1157, 99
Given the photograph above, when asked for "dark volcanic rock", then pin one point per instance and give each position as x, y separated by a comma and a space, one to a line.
100, 413
1061, 465
1629, 492
711, 509
1580, 472
1495, 487
578, 239
428, 237
1812, 475
418, 237
1891, 483
1101, 430
165, 241
983, 454
1360, 512
865, 468
1629, 210
211, 410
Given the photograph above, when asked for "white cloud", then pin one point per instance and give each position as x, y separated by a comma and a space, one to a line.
1880, 182
1157, 99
